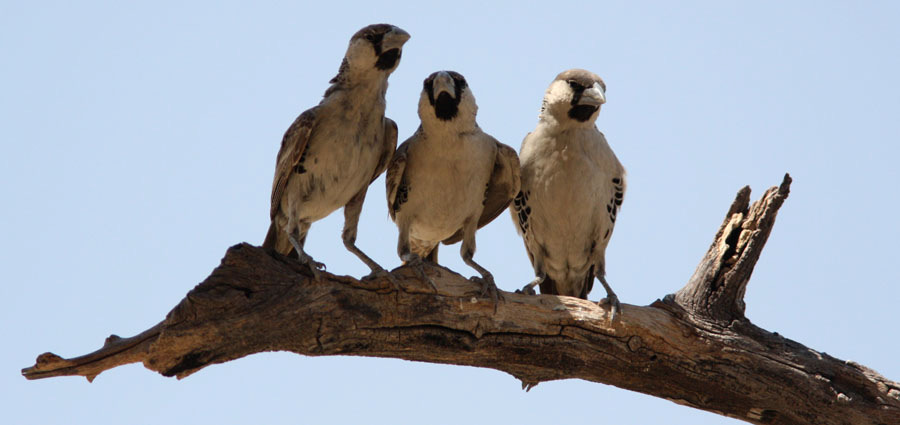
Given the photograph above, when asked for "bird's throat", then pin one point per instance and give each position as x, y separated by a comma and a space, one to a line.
446, 107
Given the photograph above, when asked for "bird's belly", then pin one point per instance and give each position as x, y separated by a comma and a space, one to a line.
439, 207
436, 222
566, 199
564, 221
332, 177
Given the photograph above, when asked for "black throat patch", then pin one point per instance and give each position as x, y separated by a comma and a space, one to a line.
582, 113
388, 59
446, 107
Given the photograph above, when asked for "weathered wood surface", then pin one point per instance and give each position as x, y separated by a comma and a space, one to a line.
716, 290
691, 348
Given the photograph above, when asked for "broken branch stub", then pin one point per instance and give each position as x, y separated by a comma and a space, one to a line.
716, 290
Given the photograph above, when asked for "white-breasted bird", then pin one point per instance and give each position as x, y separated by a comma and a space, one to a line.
572, 188
449, 178
333, 151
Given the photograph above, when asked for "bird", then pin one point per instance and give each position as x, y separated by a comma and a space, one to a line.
334, 150
572, 188
448, 179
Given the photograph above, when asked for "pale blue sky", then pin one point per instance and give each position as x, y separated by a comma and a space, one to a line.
139, 142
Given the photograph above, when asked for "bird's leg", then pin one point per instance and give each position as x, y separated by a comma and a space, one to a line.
351, 221
412, 259
467, 251
486, 279
611, 297
529, 288
298, 239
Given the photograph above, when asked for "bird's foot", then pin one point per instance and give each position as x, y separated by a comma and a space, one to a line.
314, 266
418, 266
527, 290
382, 273
488, 287
613, 301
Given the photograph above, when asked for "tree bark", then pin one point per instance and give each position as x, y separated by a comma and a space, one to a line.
694, 348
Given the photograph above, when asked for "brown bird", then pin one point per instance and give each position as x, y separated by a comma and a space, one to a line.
572, 188
333, 151
449, 178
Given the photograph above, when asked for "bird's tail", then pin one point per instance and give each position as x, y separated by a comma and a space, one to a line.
548, 286
588, 284
278, 241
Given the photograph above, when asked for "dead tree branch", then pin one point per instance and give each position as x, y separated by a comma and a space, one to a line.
694, 348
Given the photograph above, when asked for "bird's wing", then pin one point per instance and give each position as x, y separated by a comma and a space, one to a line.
616, 193
291, 154
519, 209
395, 187
614, 186
502, 187
389, 144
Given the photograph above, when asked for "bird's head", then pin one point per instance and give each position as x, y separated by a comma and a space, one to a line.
376, 48
574, 96
446, 98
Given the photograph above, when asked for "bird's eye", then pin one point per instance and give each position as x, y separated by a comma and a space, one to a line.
458, 79
575, 85
370, 37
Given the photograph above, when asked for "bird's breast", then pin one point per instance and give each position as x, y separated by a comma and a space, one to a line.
445, 189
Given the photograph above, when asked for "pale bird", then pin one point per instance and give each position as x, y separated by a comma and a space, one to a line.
572, 188
333, 151
449, 178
